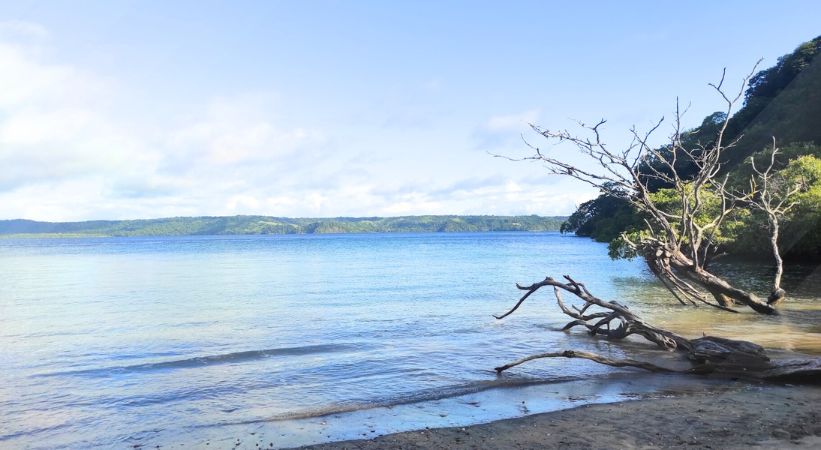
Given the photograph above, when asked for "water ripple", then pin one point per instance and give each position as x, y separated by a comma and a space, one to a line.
202, 361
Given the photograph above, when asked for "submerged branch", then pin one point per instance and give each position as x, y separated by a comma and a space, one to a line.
629, 322
708, 354
592, 357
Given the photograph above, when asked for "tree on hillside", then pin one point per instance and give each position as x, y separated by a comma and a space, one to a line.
782, 101
683, 223
773, 194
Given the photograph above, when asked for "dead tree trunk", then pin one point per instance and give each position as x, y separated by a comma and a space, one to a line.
718, 287
706, 355
679, 274
773, 196
778, 294
679, 235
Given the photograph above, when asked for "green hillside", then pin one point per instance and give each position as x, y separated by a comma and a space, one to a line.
783, 101
240, 225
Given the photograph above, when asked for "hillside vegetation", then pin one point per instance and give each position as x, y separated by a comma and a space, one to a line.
182, 226
781, 102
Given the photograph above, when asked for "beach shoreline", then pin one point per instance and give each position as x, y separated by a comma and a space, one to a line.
481, 406
757, 416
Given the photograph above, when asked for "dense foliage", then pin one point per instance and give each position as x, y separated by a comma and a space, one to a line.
602, 218
181, 226
801, 235
783, 101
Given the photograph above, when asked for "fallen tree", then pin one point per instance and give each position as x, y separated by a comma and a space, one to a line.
683, 221
706, 355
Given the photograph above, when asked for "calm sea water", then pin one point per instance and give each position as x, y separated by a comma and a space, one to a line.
118, 342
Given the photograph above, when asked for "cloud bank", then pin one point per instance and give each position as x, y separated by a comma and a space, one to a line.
71, 149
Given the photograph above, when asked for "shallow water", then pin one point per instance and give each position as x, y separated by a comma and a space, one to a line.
119, 342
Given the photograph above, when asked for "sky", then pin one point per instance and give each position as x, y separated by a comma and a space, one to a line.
143, 109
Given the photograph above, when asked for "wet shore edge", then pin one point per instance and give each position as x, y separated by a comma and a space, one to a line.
755, 416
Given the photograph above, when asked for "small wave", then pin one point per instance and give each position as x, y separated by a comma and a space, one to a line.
416, 397
33, 431
210, 360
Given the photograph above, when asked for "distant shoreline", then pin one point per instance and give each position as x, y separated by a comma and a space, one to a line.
268, 225
353, 233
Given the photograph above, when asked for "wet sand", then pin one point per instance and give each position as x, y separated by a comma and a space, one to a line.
758, 416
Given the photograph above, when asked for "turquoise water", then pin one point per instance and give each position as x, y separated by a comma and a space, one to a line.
116, 342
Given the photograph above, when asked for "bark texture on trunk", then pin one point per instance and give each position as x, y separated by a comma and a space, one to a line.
718, 286
778, 294
688, 281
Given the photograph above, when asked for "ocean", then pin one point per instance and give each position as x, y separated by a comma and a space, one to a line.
132, 342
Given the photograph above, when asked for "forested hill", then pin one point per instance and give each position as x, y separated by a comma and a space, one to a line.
782, 101
182, 226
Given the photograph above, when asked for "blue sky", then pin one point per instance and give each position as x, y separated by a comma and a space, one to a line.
119, 109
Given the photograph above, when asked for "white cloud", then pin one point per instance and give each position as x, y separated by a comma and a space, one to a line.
56, 124
70, 150
36, 127
502, 132
21, 28
515, 123
240, 203
30, 82
240, 130
61, 133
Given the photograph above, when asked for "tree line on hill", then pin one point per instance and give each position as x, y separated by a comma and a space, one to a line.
249, 225
781, 102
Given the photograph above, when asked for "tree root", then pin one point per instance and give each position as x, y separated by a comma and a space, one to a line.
709, 354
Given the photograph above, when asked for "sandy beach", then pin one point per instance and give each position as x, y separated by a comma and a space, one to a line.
759, 416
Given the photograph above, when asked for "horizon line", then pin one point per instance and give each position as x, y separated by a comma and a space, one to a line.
286, 217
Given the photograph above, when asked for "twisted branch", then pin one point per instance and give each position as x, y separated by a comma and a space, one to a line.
598, 323
706, 355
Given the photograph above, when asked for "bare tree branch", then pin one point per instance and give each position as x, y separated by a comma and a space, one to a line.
705, 355
770, 195
680, 241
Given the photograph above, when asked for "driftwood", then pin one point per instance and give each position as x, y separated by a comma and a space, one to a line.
706, 355
592, 357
